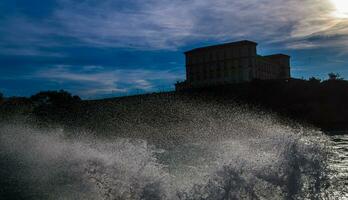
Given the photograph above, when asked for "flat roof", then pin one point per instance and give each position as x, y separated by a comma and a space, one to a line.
277, 55
223, 45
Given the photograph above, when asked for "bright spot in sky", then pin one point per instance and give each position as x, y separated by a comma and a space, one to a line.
341, 8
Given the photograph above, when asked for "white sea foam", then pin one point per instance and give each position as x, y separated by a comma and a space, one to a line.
246, 157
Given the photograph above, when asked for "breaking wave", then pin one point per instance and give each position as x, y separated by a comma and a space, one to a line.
255, 158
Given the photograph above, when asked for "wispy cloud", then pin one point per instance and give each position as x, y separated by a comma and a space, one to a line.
171, 24
91, 81
81, 38
20, 35
29, 51
168, 24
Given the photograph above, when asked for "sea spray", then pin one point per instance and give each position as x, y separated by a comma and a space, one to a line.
55, 167
62, 168
213, 152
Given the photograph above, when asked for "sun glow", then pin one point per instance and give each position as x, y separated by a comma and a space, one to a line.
341, 8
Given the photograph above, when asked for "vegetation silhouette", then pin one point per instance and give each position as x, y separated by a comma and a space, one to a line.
335, 76
323, 104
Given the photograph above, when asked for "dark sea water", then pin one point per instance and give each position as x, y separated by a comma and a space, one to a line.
339, 163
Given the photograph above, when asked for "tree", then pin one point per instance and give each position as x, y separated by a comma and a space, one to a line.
334, 76
55, 106
54, 98
314, 80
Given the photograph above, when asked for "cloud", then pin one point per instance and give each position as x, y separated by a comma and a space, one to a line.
29, 51
141, 24
20, 35
168, 24
299, 69
82, 39
91, 81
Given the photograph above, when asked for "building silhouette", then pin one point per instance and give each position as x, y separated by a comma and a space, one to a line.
230, 63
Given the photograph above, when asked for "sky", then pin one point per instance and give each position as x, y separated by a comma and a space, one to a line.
98, 49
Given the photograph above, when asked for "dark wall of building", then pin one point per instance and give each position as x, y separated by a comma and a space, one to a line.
283, 62
229, 63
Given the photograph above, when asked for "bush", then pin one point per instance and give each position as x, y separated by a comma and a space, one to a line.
334, 76
55, 106
314, 80
54, 98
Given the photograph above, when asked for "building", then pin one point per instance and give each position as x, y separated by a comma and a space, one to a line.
230, 63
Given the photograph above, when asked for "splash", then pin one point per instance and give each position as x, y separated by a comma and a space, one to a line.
220, 154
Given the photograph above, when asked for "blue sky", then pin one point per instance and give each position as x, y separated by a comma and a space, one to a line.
97, 49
